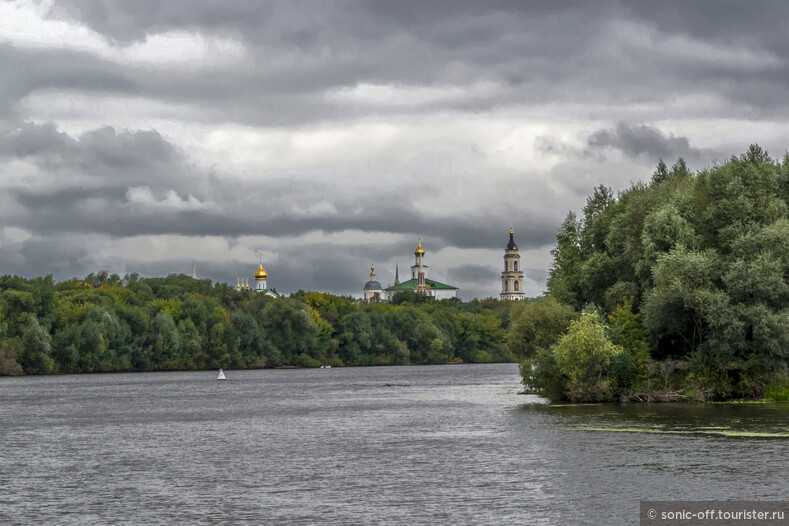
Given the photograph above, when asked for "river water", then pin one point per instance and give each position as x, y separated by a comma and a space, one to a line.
394, 445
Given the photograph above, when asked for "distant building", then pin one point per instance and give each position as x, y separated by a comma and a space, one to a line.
372, 289
419, 282
512, 277
261, 282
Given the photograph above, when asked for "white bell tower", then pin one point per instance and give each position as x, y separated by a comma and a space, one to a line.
512, 277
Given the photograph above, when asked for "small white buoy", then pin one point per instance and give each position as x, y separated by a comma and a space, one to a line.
221, 375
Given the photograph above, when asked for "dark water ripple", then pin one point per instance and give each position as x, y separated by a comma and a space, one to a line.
439, 445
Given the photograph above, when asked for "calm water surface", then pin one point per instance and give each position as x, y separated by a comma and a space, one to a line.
394, 445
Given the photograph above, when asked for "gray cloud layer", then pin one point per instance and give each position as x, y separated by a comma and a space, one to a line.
612, 52
648, 143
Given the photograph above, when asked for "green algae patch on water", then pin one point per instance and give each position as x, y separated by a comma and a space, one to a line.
752, 434
744, 402
647, 430
700, 431
572, 405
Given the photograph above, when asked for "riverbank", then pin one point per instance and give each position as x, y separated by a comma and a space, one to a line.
227, 369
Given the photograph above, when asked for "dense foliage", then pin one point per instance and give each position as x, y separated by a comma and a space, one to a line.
689, 277
109, 323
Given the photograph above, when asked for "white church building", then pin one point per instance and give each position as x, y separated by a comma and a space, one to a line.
418, 283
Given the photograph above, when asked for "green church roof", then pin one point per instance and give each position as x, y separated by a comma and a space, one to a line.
412, 283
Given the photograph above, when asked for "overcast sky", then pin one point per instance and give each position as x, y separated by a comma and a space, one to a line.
138, 135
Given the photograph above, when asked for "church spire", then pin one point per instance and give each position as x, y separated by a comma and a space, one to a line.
511, 245
397, 275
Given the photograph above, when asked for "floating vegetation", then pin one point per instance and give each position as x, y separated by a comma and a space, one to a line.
756, 434
573, 405
744, 402
699, 431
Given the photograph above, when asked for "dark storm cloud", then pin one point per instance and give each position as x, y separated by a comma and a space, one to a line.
24, 71
129, 21
30, 140
105, 211
721, 20
647, 143
535, 52
301, 23
39, 257
335, 270
539, 275
129, 157
471, 273
65, 202
117, 163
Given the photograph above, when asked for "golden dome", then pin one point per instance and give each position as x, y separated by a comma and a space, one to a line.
260, 274
419, 252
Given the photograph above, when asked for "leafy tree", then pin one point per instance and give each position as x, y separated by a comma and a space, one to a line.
583, 360
65, 348
661, 173
703, 256
192, 345
17, 304
627, 332
409, 297
538, 324
36, 348
680, 309
165, 340
290, 328
596, 220
564, 273
8, 359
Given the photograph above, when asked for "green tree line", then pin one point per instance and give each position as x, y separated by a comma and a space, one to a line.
676, 288
107, 323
